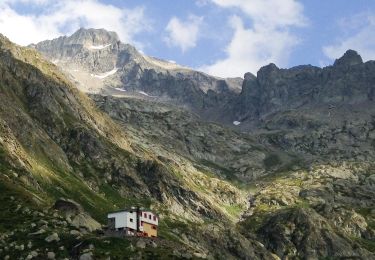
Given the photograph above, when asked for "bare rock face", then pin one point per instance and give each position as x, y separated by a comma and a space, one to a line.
274, 90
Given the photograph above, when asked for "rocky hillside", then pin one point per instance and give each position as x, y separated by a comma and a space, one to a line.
56, 144
306, 203
296, 183
169, 130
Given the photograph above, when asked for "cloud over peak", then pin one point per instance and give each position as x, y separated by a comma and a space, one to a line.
268, 38
357, 33
183, 34
64, 17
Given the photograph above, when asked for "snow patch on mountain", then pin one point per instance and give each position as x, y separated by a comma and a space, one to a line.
98, 47
106, 74
145, 94
167, 65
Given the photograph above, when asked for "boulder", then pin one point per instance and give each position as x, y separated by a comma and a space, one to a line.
68, 207
52, 238
51, 255
141, 244
40, 231
32, 255
75, 233
86, 256
75, 215
86, 221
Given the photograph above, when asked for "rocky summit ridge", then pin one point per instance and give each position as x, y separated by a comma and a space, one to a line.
102, 64
348, 81
293, 179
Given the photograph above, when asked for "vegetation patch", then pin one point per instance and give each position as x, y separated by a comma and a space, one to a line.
10, 196
368, 244
234, 210
272, 160
117, 248
227, 174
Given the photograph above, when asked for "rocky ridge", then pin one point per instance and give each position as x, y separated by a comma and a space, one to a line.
347, 82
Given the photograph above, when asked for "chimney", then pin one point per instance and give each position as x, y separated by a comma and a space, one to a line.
138, 210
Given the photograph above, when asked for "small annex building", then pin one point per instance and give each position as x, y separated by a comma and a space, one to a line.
134, 222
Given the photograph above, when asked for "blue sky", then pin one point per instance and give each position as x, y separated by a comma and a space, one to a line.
222, 37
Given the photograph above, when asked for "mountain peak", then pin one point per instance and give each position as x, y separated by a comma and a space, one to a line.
4, 41
267, 71
350, 58
93, 37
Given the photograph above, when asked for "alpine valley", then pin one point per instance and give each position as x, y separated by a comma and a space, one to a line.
280, 165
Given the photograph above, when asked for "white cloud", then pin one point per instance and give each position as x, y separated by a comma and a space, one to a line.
267, 40
357, 34
250, 49
183, 34
201, 3
64, 17
37, 2
269, 13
